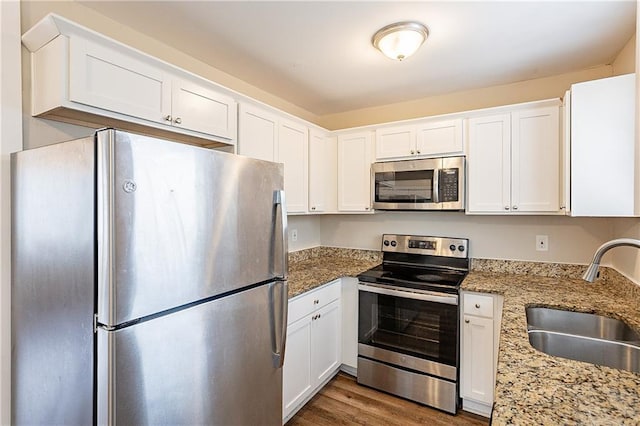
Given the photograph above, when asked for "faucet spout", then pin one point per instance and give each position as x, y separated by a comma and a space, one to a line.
592, 271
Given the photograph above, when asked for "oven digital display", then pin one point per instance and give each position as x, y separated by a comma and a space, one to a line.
420, 244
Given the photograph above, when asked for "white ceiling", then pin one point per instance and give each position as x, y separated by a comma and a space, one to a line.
318, 55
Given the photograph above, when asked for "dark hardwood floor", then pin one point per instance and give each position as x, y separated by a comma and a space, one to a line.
343, 402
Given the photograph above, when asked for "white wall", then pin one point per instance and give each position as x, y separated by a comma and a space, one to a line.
10, 141
571, 240
308, 228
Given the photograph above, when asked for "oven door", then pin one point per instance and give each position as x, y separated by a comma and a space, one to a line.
406, 185
418, 331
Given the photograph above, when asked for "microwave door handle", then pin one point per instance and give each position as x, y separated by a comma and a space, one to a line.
436, 186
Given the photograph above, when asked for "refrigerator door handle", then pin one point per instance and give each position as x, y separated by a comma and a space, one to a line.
279, 200
278, 331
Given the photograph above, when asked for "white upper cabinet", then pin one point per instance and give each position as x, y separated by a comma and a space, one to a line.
257, 133
266, 135
423, 139
603, 147
354, 171
323, 172
514, 161
293, 152
395, 142
441, 137
82, 77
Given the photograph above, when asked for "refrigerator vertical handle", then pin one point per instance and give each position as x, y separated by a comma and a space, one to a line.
278, 331
279, 200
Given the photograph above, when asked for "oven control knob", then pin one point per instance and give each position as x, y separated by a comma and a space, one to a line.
393, 244
452, 247
461, 248
386, 243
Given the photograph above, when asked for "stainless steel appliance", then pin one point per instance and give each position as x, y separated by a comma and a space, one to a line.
149, 284
429, 184
408, 319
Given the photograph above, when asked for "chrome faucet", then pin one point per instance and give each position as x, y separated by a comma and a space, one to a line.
592, 271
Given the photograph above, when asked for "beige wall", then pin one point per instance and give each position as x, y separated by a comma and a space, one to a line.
308, 228
625, 62
524, 91
571, 240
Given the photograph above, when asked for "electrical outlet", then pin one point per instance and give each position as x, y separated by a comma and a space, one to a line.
542, 242
294, 235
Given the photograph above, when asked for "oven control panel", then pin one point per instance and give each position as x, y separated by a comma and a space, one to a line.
417, 244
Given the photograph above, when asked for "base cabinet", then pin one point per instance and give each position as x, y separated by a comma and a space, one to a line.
313, 354
480, 329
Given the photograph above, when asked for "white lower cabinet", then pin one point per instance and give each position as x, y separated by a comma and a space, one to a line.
314, 339
481, 314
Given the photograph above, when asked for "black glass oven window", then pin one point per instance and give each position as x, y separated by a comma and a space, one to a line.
418, 328
403, 187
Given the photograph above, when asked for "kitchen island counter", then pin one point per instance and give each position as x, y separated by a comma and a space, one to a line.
536, 388
311, 268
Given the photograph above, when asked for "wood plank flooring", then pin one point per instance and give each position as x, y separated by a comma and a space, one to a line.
343, 402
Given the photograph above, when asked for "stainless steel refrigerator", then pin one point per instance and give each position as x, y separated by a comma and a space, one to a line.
149, 284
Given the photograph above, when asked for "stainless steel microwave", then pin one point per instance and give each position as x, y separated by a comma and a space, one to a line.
429, 184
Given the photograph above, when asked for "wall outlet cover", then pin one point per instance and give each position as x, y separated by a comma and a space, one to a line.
542, 242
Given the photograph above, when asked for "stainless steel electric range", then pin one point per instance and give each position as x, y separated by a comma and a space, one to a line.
408, 319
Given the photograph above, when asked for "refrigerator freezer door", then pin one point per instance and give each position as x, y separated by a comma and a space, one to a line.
177, 224
210, 364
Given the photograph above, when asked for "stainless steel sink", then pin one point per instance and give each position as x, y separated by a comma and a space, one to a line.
588, 325
584, 337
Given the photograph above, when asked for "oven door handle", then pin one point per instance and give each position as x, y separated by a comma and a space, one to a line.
449, 299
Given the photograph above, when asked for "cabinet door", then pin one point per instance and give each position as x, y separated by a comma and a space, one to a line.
395, 142
439, 137
200, 108
489, 164
113, 80
323, 161
297, 377
354, 172
293, 152
326, 341
477, 359
257, 133
602, 147
535, 160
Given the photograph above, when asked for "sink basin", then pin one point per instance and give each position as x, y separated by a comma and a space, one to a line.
620, 355
584, 337
588, 325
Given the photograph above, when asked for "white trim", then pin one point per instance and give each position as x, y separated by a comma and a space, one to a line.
10, 141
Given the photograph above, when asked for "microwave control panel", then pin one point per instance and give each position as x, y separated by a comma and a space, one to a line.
449, 185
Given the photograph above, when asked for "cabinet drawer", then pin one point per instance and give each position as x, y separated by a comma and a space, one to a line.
477, 304
306, 303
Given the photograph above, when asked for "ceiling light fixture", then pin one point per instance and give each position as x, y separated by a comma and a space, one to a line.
400, 40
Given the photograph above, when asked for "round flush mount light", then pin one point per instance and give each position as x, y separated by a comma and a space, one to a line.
400, 40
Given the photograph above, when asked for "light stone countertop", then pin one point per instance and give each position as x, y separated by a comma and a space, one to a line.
536, 388
314, 267
531, 387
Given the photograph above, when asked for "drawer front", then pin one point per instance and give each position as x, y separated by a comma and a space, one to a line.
478, 304
308, 302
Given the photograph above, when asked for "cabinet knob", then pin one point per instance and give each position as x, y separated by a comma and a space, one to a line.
562, 207
316, 301
466, 321
178, 120
366, 208
412, 152
319, 315
313, 208
418, 152
477, 306
167, 118
506, 207
515, 207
